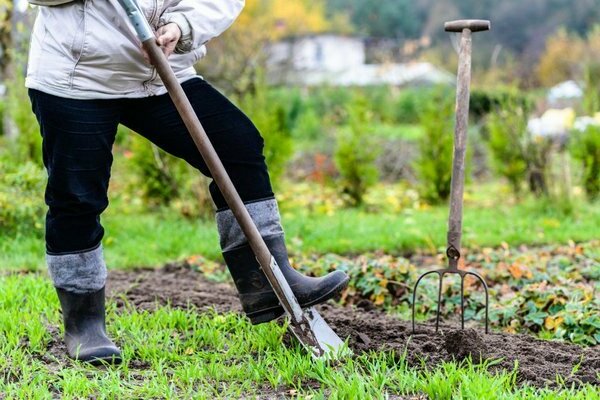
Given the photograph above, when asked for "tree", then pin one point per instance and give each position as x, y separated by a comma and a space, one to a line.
236, 56
7, 61
561, 59
390, 18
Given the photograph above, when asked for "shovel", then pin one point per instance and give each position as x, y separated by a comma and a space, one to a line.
307, 325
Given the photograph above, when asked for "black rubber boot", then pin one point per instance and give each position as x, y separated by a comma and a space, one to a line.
258, 298
85, 332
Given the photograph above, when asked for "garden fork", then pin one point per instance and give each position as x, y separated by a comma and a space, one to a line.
466, 27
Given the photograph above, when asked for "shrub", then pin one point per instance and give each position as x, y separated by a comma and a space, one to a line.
355, 154
21, 197
484, 102
308, 125
591, 96
517, 155
168, 181
434, 163
27, 145
409, 102
271, 119
585, 147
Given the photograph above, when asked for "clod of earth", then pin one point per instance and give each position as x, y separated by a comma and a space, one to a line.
539, 361
466, 343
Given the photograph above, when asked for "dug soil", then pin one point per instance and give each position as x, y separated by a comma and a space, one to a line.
370, 329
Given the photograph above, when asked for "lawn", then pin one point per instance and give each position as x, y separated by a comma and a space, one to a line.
316, 222
182, 353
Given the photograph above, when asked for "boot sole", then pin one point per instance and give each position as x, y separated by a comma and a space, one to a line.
96, 361
270, 314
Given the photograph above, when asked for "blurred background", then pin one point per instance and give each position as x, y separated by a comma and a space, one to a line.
355, 99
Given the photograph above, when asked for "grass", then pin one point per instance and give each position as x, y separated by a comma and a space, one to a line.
173, 353
151, 239
408, 132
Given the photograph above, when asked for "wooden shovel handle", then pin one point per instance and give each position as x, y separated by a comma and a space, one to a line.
219, 175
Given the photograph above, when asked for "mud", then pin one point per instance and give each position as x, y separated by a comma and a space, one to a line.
369, 329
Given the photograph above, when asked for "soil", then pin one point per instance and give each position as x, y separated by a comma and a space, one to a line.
368, 329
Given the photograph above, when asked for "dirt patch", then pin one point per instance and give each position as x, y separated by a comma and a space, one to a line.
540, 362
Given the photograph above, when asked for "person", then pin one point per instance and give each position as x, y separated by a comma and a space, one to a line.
87, 74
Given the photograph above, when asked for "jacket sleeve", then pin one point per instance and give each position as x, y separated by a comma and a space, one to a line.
201, 20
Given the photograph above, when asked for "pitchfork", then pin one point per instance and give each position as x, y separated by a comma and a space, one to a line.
466, 27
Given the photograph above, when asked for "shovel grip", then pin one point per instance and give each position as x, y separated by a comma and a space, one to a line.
474, 25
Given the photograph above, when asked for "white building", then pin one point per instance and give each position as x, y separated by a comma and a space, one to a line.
341, 61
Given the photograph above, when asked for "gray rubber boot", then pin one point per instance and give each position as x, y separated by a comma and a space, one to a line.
85, 331
256, 295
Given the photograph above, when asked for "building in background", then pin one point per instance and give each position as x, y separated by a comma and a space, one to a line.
336, 60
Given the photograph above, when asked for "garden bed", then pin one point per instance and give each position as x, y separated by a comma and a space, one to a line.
540, 363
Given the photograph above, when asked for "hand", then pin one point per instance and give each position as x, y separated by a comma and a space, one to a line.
167, 37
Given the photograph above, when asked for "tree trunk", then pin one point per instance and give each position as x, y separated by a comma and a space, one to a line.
7, 72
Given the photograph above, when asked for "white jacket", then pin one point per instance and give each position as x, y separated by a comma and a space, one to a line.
88, 50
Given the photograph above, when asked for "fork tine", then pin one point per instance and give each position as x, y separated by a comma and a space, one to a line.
462, 301
439, 303
415, 295
487, 297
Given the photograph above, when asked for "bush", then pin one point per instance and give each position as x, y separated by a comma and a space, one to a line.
585, 147
591, 96
409, 102
272, 120
27, 145
434, 163
168, 181
355, 154
484, 102
518, 156
22, 205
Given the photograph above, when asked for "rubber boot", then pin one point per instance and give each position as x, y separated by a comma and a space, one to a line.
256, 295
85, 331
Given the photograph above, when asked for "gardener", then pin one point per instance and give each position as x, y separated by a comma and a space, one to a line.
86, 75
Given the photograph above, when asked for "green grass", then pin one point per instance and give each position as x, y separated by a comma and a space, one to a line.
186, 354
354, 231
145, 239
408, 132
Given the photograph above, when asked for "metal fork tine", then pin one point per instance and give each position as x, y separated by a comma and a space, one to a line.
462, 301
439, 303
415, 295
487, 297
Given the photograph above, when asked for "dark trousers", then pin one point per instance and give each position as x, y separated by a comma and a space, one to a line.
78, 136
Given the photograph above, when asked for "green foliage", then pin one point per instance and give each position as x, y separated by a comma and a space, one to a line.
272, 120
164, 180
434, 163
16, 107
308, 125
549, 292
409, 102
394, 18
21, 197
591, 95
517, 155
184, 352
355, 154
585, 147
550, 295
485, 101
